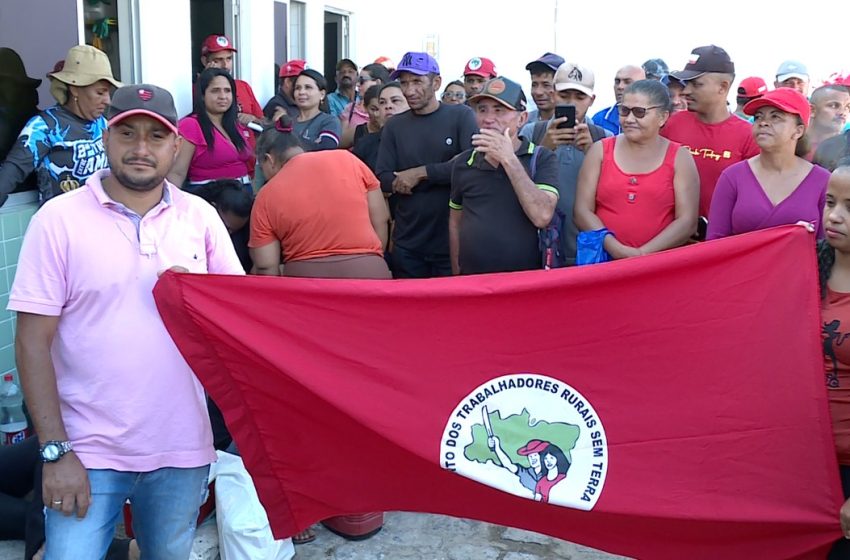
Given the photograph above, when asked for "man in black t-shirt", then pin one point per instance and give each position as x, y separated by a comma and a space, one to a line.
414, 164
503, 190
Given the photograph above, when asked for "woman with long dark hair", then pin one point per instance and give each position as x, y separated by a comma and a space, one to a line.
216, 146
555, 466
834, 268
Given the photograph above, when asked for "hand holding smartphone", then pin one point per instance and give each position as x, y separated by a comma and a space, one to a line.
568, 111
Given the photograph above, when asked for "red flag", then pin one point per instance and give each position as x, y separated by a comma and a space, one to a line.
671, 406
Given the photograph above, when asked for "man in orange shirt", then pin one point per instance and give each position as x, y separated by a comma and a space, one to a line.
217, 52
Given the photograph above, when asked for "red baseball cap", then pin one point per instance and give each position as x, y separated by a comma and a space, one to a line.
216, 43
292, 68
785, 99
752, 87
480, 66
533, 446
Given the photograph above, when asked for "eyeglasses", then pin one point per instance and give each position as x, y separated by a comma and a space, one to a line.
362, 80
639, 112
454, 95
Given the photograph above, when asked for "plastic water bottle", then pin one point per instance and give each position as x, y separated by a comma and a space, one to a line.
13, 423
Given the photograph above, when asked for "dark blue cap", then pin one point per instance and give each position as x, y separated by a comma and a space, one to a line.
551, 60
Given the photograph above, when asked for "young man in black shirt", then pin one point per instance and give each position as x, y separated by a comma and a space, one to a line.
414, 164
503, 190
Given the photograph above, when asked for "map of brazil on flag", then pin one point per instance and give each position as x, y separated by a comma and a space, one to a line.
670, 406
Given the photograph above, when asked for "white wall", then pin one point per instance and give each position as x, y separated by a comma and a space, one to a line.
166, 55
256, 47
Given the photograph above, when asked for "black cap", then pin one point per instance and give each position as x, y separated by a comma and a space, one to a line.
706, 59
143, 99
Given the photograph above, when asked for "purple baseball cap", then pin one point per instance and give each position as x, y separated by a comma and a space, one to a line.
418, 63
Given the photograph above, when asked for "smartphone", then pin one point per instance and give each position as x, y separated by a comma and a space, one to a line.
702, 228
568, 111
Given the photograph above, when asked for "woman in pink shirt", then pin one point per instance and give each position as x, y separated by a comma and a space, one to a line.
215, 145
778, 186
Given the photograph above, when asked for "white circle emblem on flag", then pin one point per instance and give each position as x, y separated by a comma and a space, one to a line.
532, 436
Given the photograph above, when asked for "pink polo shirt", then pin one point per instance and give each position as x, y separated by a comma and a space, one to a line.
128, 399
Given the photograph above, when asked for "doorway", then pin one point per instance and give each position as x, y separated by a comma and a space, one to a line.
336, 44
207, 18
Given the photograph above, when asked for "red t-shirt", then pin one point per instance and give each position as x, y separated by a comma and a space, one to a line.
246, 101
835, 330
714, 147
316, 207
636, 206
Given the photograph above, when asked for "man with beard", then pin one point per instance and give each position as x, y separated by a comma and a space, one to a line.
414, 163
117, 410
346, 78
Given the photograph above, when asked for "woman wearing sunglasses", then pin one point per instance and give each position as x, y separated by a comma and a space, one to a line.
641, 187
356, 113
778, 186
454, 94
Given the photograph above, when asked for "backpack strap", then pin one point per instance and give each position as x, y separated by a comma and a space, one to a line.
538, 132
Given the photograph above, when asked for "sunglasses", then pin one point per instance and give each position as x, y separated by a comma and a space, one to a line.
455, 95
362, 80
639, 112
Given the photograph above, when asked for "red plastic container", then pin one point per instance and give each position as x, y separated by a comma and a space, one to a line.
205, 511
356, 527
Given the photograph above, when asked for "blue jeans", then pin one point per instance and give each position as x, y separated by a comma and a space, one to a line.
165, 510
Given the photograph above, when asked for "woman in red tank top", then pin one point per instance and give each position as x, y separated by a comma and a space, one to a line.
643, 188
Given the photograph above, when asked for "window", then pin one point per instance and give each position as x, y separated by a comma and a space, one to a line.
297, 24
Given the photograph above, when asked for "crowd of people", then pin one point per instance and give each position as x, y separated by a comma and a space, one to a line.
387, 175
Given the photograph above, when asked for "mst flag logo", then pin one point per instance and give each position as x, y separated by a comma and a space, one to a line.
530, 435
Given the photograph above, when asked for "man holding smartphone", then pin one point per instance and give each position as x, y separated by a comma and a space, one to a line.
570, 134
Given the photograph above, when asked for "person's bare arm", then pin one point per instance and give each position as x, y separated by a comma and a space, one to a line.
266, 259
379, 215
584, 212
180, 169
686, 192
65, 483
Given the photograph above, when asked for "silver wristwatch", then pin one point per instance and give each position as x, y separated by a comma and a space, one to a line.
52, 451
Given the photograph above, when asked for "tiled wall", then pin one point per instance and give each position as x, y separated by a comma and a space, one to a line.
15, 215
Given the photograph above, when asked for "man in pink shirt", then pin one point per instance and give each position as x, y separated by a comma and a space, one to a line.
715, 137
118, 412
